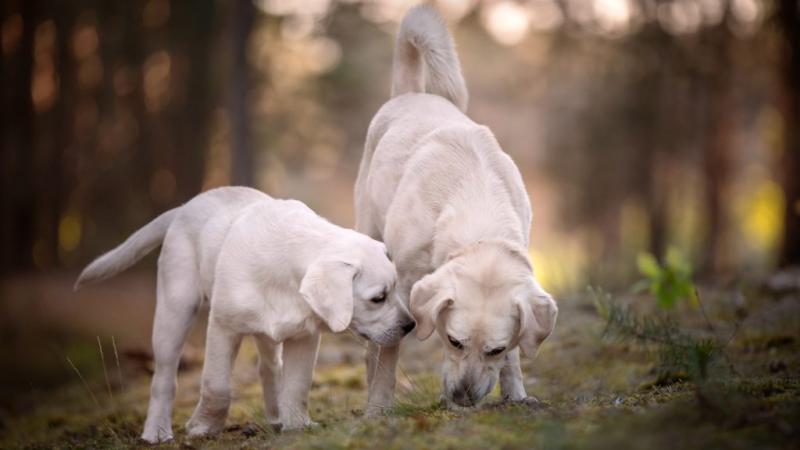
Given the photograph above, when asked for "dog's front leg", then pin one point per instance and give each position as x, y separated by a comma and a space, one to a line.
299, 358
381, 364
215, 392
511, 384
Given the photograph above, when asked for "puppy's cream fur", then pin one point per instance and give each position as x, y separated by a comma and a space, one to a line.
269, 268
453, 211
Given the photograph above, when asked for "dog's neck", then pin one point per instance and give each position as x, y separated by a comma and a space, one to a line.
461, 225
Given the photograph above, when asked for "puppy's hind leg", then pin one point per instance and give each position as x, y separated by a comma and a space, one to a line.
209, 416
269, 369
178, 299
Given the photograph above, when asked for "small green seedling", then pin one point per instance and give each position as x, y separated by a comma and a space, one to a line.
669, 282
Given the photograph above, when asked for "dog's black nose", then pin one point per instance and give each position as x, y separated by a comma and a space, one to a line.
461, 397
408, 327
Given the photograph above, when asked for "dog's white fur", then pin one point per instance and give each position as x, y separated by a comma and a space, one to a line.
269, 268
453, 211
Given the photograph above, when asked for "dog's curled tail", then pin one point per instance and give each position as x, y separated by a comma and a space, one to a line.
126, 254
425, 58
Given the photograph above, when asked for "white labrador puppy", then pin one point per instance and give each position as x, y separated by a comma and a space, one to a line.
453, 211
270, 268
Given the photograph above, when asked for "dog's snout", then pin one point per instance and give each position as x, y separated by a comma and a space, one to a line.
461, 397
408, 327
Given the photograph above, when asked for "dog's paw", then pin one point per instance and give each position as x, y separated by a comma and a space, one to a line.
529, 401
373, 411
294, 425
200, 428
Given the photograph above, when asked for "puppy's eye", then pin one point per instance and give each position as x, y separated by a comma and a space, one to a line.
455, 343
495, 351
379, 299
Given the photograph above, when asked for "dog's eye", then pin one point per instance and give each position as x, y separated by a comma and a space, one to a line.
495, 351
455, 343
380, 298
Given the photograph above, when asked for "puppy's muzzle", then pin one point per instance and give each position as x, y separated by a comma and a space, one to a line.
408, 327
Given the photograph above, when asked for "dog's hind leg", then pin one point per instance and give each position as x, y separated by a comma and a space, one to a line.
269, 369
178, 298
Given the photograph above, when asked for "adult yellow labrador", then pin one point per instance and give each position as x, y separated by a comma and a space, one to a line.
452, 209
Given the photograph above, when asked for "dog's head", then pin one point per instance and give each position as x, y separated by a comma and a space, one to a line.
483, 302
355, 289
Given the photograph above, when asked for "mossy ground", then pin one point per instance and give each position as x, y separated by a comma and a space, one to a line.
594, 392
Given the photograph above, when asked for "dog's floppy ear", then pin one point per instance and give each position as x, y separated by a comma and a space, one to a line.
537, 316
327, 287
429, 297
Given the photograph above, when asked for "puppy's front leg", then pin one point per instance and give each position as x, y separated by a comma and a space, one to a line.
299, 358
215, 392
269, 369
511, 384
381, 364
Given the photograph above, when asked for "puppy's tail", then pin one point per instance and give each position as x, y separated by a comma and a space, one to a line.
425, 58
126, 254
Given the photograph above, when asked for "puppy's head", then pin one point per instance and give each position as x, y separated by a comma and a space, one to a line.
484, 302
355, 289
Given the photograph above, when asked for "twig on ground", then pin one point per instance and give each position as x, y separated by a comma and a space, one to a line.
83, 380
116, 357
105, 372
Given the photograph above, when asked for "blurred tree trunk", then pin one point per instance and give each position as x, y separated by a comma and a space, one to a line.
716, 154
134, 53
6, 154
716, 169
790, 21
60, 169
242, 154
195, 24
19, 146
655, 138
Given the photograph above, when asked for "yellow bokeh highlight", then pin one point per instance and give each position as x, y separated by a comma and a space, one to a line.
69, 232
559, 270
761, 214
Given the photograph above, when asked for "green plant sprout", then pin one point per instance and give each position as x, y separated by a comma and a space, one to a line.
669, 282
680, 356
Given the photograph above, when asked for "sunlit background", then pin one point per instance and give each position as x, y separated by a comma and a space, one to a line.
638, 125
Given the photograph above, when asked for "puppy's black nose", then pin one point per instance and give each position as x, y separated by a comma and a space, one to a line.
408, 327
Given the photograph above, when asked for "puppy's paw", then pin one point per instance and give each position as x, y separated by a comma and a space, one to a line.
155, 438
157, 431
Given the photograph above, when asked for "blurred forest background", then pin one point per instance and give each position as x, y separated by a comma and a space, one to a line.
638, 125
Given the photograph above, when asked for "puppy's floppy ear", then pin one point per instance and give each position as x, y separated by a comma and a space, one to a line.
429, 297
327, 287
537, 316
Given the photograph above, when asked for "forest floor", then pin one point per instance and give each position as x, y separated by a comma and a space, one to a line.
595, 392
